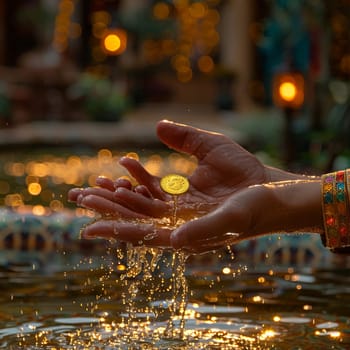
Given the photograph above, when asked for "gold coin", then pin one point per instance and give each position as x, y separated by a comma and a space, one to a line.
174, 184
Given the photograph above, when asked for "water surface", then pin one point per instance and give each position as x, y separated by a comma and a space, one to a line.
82, 305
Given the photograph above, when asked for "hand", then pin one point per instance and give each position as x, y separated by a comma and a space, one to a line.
223, 168
280, 207
285, 206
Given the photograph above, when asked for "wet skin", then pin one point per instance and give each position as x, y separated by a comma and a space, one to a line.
221, 182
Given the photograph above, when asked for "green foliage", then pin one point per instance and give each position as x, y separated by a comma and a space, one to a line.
102, 99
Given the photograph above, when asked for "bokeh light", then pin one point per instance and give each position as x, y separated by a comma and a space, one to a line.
288, 91
45, 179
114, 41
65, 29
161, 10
34, 188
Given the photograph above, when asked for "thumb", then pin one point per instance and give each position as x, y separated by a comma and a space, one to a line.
189, 233
188, 139
227, 222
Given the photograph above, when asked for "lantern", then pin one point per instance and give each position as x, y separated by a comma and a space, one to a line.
114, 42
288, 90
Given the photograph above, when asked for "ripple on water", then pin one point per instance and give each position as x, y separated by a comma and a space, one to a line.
252, 310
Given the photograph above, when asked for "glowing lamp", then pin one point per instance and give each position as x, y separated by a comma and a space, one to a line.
288, 90
114, 42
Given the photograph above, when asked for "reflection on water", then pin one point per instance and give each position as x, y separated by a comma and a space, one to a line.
276, 293
87, 306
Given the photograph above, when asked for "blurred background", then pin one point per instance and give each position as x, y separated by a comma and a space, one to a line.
273, 75
83, 83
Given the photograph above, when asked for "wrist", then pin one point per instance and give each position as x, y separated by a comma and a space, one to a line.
291, 206
276, 175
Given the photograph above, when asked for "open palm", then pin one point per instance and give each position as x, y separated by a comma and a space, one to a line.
224, 167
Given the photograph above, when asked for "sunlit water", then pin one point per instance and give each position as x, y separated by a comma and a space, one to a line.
91, 304
267, 295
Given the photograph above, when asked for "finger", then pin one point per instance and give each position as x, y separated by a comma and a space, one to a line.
133, 232
188, 139
77, 194
190, 234
106, 190
143, 190
108, 207
123, 182
95, 191
74, 193
212, 228
103, 182
139, 203
142, 176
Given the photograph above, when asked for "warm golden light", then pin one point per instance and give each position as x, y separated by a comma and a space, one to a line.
334, 334
205, 64
114, 42
24, 182
198, 10
261, 280
257, 299
15, 169
268, 333
34, 188
307, 307
198, 22
331, 334
154, 165
226, 270
161, 10
64, 27
276, 318
288, 91
13, 200
104, 155
184, 74
133, 155
56, 205
39, 210
121, 267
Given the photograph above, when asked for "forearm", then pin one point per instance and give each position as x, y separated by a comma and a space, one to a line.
279, 207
